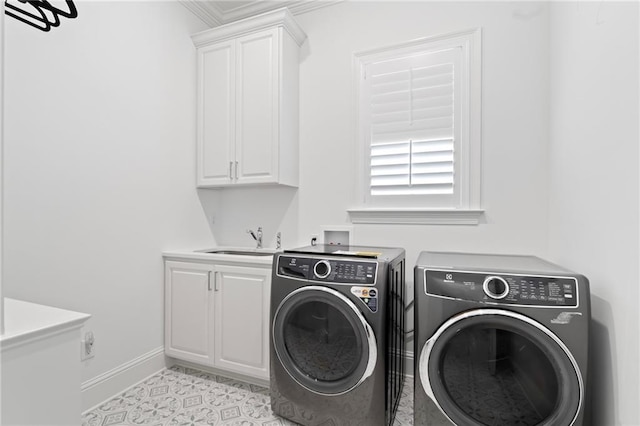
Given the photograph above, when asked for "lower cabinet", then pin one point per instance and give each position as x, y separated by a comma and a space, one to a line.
188, 328
217, 315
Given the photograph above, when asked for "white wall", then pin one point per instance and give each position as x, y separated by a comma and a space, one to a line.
593, 226
515, 73
100, 167
514, 119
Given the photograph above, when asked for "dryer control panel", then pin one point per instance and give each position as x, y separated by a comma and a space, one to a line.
499, 288
343, 271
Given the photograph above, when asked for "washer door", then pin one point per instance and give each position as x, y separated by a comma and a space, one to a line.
323, 340
496, 367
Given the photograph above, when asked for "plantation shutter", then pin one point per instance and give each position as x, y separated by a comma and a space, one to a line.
412, 105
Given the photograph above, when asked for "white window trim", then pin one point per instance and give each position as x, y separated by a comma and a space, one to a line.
469, 211
413, 216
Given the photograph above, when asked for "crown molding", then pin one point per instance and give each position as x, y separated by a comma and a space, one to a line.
211, 14
296, 7
300, 7
279, 17
208, 12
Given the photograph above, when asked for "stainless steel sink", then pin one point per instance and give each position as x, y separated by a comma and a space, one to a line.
241, 252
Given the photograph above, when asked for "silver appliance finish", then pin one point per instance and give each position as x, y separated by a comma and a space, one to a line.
337, 335
500, 340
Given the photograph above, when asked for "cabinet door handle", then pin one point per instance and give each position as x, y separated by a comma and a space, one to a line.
215, 281
209, 280
236, 170
230, 166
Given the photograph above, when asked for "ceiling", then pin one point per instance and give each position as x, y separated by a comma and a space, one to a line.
217, 13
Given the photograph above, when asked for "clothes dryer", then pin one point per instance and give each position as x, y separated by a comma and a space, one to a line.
500, 340
337, 334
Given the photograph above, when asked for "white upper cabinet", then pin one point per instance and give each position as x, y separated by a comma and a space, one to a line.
248, 102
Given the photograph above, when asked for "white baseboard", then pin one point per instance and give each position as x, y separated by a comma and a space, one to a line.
107, 385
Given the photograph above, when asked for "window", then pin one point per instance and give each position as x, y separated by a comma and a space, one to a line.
419, 127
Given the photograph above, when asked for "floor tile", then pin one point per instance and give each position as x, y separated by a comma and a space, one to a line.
189, 397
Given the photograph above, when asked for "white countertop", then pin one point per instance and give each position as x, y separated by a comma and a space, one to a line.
26, 321
203, 255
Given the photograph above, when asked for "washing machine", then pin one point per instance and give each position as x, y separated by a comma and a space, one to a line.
337, 334
499, 340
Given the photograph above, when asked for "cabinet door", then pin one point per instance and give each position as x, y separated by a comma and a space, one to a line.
242, 320
257, 132
188, 311
216, 114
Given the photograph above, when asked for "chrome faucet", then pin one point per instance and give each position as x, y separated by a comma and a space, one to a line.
256, 236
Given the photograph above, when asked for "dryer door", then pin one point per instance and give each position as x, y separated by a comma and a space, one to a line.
497, 367
323, 340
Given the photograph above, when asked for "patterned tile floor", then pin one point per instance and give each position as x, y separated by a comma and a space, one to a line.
186, 397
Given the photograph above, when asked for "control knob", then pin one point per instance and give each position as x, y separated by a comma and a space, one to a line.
495, 287
322, 269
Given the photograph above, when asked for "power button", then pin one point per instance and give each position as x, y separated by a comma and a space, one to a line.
495, 287
322, 269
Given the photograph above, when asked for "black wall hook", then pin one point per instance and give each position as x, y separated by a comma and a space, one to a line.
39, 14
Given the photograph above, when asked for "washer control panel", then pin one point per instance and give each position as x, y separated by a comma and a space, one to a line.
509, 289
345, 271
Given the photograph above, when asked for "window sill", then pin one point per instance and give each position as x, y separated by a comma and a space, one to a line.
416, 216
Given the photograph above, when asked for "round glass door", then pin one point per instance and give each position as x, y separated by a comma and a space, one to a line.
323, 341
494, 367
